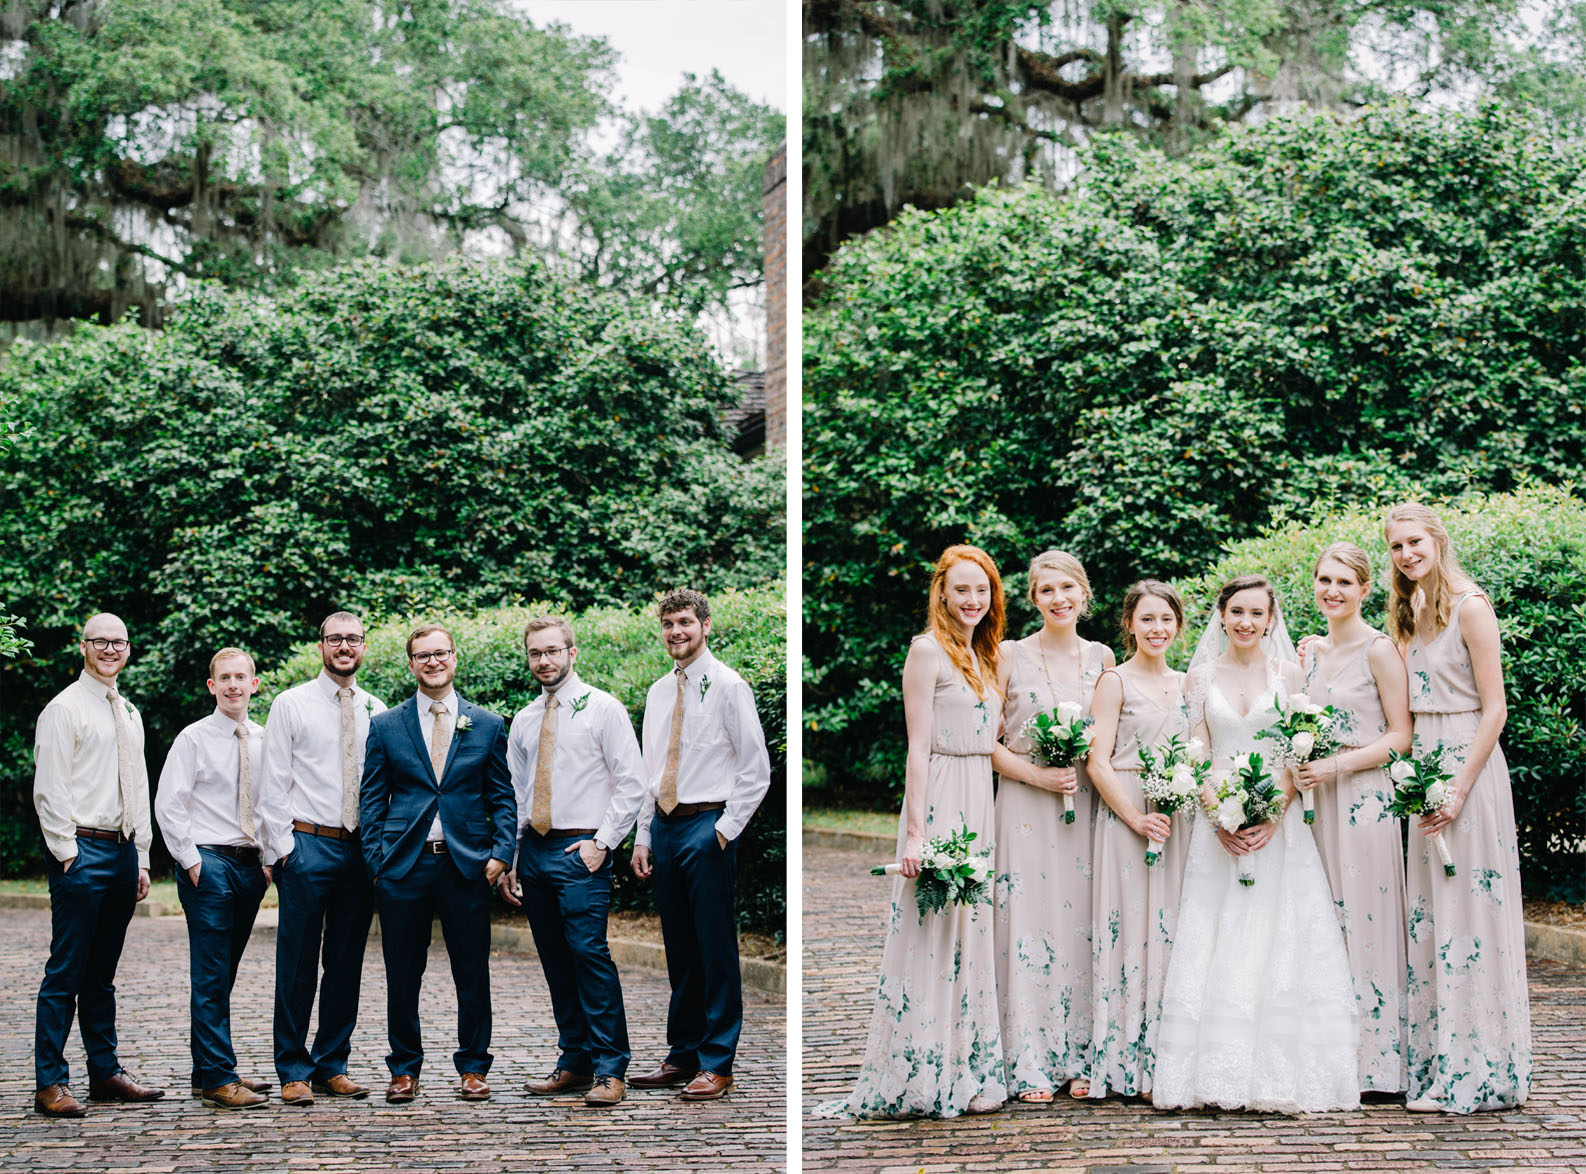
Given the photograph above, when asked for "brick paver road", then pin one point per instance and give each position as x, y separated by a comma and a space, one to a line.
650, 1131
843, 930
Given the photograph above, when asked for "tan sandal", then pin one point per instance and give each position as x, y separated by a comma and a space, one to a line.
1079, 1089
1036, 1096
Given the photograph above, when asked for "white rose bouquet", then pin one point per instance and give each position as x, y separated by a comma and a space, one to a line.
950, 874
1171, 775
1061, 738
1304, 734
1420, 785
1246, 796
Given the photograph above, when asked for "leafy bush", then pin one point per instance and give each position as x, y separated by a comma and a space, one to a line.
1314, 310
387, 439
1527, 550
620, 651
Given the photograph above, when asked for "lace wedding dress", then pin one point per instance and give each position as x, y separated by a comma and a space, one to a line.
1259, 1007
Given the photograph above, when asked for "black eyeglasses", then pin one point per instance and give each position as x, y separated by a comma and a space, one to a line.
100, 643
547, 653
336, 640
440, 654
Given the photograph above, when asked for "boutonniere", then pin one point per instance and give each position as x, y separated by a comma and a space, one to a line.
368, 706
464, 724
704, 688
579, 703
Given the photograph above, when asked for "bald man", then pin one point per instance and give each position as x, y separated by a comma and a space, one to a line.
91, 790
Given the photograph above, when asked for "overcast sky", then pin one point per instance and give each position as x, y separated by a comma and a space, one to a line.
660, 40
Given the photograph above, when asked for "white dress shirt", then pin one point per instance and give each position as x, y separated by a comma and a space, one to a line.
723, 756
597, 773
197, 798
301, 774
427, 728
75, 778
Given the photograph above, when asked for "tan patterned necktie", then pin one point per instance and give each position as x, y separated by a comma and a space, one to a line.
674, 750
349, 760
540, 820
123, 760
440, 739
245, 783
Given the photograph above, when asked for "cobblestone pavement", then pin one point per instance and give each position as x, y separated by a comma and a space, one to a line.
844, 924
747, 1130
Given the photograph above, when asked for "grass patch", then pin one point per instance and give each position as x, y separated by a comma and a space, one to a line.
163, 891
881, 823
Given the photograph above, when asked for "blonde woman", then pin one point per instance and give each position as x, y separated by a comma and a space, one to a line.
934, 1048
1043, 863
1358, 670
1469, 1014
1135, 906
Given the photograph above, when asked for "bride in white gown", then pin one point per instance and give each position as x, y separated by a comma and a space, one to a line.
1258, 1011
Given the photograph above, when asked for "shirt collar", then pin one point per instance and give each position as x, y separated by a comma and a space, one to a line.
570, 687
451, 701
700, 666
225, 724
94, 685
328, 686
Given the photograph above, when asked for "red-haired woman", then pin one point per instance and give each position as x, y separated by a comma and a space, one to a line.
934, 1048
1357, 670
1469, 1014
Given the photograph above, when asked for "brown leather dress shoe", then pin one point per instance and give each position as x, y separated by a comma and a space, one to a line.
56, 1100
663, 1077
341, 1085
122, 1087
297, 1092
234, 1096
402, 1089
247, 1082
560, 1080
607, 1092
473, 1087
707, 1086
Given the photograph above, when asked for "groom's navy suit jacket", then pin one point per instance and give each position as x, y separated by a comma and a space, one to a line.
400, 793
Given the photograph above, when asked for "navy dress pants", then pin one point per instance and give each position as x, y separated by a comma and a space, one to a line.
325, 898
90, 907
567, 907
693, 883
220, 912
408, 907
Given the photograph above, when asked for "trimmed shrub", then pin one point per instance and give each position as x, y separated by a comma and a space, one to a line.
620, 651
1527, 550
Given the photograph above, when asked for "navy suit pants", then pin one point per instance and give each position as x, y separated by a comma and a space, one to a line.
220, 912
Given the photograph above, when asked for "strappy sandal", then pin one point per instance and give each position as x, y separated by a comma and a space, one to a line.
1079, 1089
1036, 1096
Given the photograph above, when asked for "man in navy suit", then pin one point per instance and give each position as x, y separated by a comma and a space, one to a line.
439, 817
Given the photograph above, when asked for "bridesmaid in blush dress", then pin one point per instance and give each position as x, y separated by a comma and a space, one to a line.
1134, 906
1357, 670
1043, 864
1469, 1012
934, 1048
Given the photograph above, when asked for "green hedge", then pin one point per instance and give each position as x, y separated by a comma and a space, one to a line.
1143, 368
382, 438
619, 650
1527, 550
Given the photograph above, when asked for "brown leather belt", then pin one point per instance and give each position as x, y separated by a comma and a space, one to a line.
585, 832
103, 834
319, 829
683, 809
235, 851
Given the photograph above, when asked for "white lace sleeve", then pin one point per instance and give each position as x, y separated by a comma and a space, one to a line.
1197, 683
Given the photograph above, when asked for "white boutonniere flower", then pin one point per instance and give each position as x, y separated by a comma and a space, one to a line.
579, 703
704, 687
464, 724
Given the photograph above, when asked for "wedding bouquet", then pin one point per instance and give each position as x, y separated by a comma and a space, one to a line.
1420, 785
1304, 734
1246, 796
950, 874
1060, 738
1170, 776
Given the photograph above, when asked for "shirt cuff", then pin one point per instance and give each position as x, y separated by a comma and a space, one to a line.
184, 860
730, 829
62, 849
143, 859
